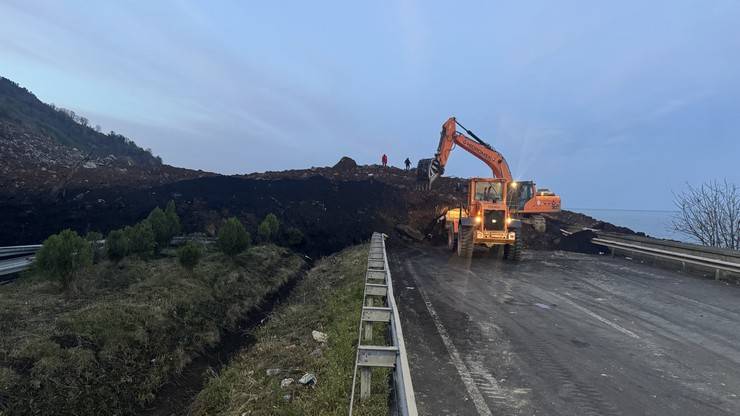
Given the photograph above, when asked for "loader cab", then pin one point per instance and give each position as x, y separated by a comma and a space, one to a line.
487, 202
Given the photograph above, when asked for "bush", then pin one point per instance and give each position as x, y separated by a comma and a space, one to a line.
62, 256
269, 227
233, 238
172, 218
116, 245
160, 226
93, 236
293, 236
189, 254
140, 239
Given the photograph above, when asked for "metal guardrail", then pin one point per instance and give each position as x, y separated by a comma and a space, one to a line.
15, 251
15, 265
721, 261
379, 288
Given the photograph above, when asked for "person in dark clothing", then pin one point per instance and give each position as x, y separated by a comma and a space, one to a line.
384, 159
407, 162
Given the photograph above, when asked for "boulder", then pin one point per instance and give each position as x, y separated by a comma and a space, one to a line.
345, 164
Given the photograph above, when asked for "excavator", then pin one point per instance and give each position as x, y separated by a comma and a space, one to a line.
496, 206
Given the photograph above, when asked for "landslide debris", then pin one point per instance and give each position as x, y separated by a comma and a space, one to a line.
45, 149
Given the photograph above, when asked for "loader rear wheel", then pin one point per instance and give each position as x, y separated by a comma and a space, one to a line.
465, 241
515, 249
451, 239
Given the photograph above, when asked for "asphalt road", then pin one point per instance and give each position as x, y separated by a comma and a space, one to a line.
565, 334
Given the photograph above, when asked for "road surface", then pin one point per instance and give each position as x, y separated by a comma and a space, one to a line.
565, 334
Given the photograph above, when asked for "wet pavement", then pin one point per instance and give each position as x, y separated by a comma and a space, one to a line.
565, 334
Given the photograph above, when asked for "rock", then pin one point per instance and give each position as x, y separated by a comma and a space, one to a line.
286, 382
319, 336
287, 397
273, 372
317, 353
410, 232
345, 164
308, 379
89, 165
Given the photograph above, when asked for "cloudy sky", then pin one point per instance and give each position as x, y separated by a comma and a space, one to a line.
612, 105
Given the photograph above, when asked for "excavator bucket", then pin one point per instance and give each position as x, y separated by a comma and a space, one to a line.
427, 171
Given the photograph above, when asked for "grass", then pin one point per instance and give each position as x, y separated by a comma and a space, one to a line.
108, 348
328, 299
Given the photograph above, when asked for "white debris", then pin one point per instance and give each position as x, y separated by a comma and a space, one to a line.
319, 336
286, 382
308, 379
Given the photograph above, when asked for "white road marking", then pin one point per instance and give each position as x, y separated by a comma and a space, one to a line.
462, 369
599, 317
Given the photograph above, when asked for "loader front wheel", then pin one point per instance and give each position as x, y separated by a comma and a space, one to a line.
451, 239
515, 249
465, 241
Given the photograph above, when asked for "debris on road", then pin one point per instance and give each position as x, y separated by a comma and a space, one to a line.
410, 232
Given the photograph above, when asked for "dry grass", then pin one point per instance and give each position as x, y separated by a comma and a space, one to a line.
107, 348
328, 300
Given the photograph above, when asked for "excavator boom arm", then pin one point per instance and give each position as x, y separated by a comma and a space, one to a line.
449, 137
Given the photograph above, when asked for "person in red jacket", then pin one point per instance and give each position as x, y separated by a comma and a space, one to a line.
384, 159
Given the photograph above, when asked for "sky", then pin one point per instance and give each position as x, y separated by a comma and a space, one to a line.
610, 104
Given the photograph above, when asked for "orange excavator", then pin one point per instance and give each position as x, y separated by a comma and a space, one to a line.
496, 206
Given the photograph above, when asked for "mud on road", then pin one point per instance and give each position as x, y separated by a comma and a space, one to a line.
566, 334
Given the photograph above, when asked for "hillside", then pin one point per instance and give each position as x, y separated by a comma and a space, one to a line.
50, 149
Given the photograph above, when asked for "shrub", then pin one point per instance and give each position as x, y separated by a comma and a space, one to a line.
293, 236
62, 256
269, 227
93, 236
116, 245
140, 239
189, 254
233, 238
172, 218
161, 228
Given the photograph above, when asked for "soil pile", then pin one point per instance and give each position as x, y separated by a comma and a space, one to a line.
330, 214
345, 164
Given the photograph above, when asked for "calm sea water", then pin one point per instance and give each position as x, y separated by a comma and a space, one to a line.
653, 223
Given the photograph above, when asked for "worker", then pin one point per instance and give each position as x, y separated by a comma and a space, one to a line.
407, 162
384, 159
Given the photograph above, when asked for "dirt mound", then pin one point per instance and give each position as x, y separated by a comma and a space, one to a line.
331, 215
345, 163
581, 242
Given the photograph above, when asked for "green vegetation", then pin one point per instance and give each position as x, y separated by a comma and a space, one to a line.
165, 224
329, 300
116, 245
189, 254
233, 238
268, 228
140, 239
62, 256
128, 330
293, 236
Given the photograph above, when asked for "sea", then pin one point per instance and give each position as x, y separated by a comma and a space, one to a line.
655, 223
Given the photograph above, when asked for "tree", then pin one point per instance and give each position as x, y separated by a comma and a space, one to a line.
83, 121
62, 256
116, 245
172, 218
269, 227
140, 239
98, 128
233, 238
189, 254
710, 214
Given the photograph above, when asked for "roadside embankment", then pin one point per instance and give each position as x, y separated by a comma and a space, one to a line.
265, 379
129, 328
